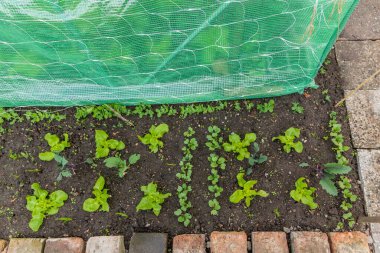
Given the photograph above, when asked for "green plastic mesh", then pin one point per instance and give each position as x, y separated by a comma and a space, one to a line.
77, 52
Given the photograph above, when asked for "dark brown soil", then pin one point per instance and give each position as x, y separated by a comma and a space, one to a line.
277, 176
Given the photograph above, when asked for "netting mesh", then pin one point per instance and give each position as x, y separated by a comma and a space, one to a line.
76, 52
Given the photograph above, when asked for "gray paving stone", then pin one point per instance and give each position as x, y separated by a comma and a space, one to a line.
26, 245
358, 60
148, 243
369, 172
376, 242
105, 244
364, 22
364, 117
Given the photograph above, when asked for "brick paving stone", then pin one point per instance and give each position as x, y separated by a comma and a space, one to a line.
269, 242
369, 172
26, 245
3, 245
364, 118
357, 61
148, 243
189, 243
105, 244
228, 242
364, 24
376, 242
310, 242
65, 245
349, 242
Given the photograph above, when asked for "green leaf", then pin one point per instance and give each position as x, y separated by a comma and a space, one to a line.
328, 186
99, 185
237, 196
303, 165
336, 168
46, 156
91, 205
113, 162
52, 139
134, 158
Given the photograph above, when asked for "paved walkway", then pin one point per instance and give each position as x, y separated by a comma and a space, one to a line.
358, 55
219, 242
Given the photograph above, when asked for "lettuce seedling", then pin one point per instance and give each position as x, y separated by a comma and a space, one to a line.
103, 145
303, 194
100, 200
152, 199
288, 140
120, 164
247, 192
56, 146
239, 146
152, 138
266, 107
328, 174
42, 204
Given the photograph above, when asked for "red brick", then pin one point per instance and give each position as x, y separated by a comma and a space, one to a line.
269, 242
194, 243
65, 245
310, 242
228, 242
347, 242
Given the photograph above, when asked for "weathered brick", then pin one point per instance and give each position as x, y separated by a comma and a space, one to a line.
26, 245
3, 245
105, 244
148, 243
349, 242
310, 242
269, 242
189, 243
228, 242
64, 245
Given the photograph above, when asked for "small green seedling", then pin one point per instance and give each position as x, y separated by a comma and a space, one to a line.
101, 196
239, 146
213, 139
120, 164
297, 108
246, 192
103, 145
304, 194
288, 140
152, 199
56, 146
42, 204
266, 107
152, 139
255, 158
328, 174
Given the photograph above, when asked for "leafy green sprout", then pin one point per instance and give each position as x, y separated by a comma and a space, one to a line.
303, 193
239, 146
255, 158
247, 192
297, 108
330, 171
152, 139
266, 107
104, 145
42, 204
120, 164
152, 199
101, 196
288, 140
56, 146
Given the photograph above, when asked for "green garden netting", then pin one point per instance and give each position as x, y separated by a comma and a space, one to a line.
77, 52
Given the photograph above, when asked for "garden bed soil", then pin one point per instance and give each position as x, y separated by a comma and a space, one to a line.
276, 176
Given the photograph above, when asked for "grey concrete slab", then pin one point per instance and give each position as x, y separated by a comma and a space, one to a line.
369, 172
364, 118
364, 23
358, 60
105, 244
148, 243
